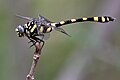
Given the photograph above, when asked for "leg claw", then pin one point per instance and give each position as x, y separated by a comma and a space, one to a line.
33, 43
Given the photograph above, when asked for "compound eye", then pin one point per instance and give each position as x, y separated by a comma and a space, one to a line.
20, 29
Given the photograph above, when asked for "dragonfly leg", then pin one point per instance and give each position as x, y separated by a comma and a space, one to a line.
36, 39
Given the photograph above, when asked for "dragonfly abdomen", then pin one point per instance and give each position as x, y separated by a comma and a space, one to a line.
102, 19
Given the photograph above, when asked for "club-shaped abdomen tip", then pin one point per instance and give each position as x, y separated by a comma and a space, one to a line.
112, 18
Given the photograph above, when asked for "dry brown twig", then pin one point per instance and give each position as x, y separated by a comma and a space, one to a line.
36, 57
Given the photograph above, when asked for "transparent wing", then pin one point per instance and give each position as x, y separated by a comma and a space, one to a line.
46, 36
23, 17
44, 19
62, 31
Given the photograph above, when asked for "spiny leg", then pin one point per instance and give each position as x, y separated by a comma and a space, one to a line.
31, 41
35, 39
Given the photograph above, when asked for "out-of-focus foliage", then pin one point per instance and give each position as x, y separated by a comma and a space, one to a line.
92, 53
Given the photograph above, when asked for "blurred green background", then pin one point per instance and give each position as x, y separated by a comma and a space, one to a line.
92, 53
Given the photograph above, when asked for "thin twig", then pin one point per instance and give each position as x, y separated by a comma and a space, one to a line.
36, 56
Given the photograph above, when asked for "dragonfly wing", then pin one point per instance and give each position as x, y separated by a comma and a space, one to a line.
43, 36
44, 19
46, 36
23, 17
62, 31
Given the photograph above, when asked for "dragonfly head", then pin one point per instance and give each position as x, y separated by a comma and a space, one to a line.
20, 30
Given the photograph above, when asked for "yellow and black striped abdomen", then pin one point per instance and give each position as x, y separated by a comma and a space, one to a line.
102, 19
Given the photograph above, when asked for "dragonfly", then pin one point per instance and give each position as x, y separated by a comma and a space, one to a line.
38, 29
